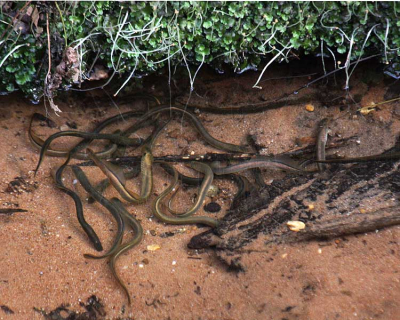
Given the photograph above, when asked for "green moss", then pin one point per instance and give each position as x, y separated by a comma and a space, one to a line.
146, 35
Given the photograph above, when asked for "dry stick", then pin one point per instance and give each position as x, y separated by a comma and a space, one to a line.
48, 44
52, 104
385, 102
49, 54
210, 157
10, 211
62, 21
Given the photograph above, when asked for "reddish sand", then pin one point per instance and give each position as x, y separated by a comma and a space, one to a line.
41, 256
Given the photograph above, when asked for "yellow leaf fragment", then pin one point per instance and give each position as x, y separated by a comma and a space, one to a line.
368, 109
153, 247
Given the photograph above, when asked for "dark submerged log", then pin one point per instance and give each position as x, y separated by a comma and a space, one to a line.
344, 200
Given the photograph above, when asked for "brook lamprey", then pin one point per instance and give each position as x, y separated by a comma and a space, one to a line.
116, 138
138, 235
79, 212
117, 179
205, 185
37, 142
199, 126
84, 181
277, 163
156, 209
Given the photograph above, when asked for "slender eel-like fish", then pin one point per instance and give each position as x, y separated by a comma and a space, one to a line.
156, 208
93, 237
58, 175
243, 184
199, 126
205, 185
116, 138
117, 178
138, 235
84, 181
38, 143
277, 163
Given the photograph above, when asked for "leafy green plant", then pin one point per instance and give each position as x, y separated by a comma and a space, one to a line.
133, 39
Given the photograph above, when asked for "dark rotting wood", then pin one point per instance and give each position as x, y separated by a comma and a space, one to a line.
338, 198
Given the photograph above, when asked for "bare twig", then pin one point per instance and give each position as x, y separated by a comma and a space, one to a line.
48, 75
208, 157
10, 211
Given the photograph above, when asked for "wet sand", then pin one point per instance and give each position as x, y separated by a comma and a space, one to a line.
41, 257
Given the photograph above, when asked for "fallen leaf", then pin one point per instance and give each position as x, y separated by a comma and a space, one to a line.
29, 11
35, 18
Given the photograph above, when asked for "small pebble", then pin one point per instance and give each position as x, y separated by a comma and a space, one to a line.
310, 107
284, 256
145, 261
64, 127
174, 263
212, 191
212, 207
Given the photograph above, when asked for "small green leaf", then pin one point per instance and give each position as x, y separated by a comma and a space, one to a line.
341, 49
207, 24
10, 87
